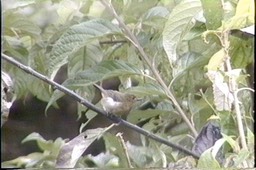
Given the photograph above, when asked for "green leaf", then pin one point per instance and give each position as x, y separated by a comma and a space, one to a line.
188, 75
20, 25
242, 51
40, 89
132, 11
24, 3
250, 139
73, 150
232, 143
84, 58
178, 24
45, 145
245, 12
158, 11
148, 89
33, 136
223, 99
216, 60
114, 144
28, 161
105, 69
213, 13
140, 155
242, 156
75, 38
207, 160
141, 115
104, 160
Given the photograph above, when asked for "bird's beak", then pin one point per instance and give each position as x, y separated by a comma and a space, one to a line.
138, 99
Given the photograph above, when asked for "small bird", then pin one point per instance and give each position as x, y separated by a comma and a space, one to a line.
116, 102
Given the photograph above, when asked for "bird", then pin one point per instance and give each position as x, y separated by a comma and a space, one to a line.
116, 102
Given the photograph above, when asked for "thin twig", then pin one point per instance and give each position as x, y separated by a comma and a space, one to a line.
245, 88
233, 90
121, 140
94, 108
113, 42
136, 43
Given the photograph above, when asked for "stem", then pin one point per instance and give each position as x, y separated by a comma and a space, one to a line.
121, 140
94, 108
136, 43
233, 90
113, 42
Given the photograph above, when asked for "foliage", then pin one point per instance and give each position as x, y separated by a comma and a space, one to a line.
186, 41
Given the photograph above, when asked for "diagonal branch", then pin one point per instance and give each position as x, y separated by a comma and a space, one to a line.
92, 107
136, 43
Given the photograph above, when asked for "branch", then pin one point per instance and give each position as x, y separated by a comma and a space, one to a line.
113, 42
136, 43
121, 140
92, 107
233, 88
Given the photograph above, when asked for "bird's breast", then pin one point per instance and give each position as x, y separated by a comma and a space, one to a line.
109, 105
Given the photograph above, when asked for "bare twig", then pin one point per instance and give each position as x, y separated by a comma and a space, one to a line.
92, 107
233, 90
136, 43
113, 42
121, 140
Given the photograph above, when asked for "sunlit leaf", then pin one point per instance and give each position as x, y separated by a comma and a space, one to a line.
216, 61
246, 7
223, 98
244, 16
